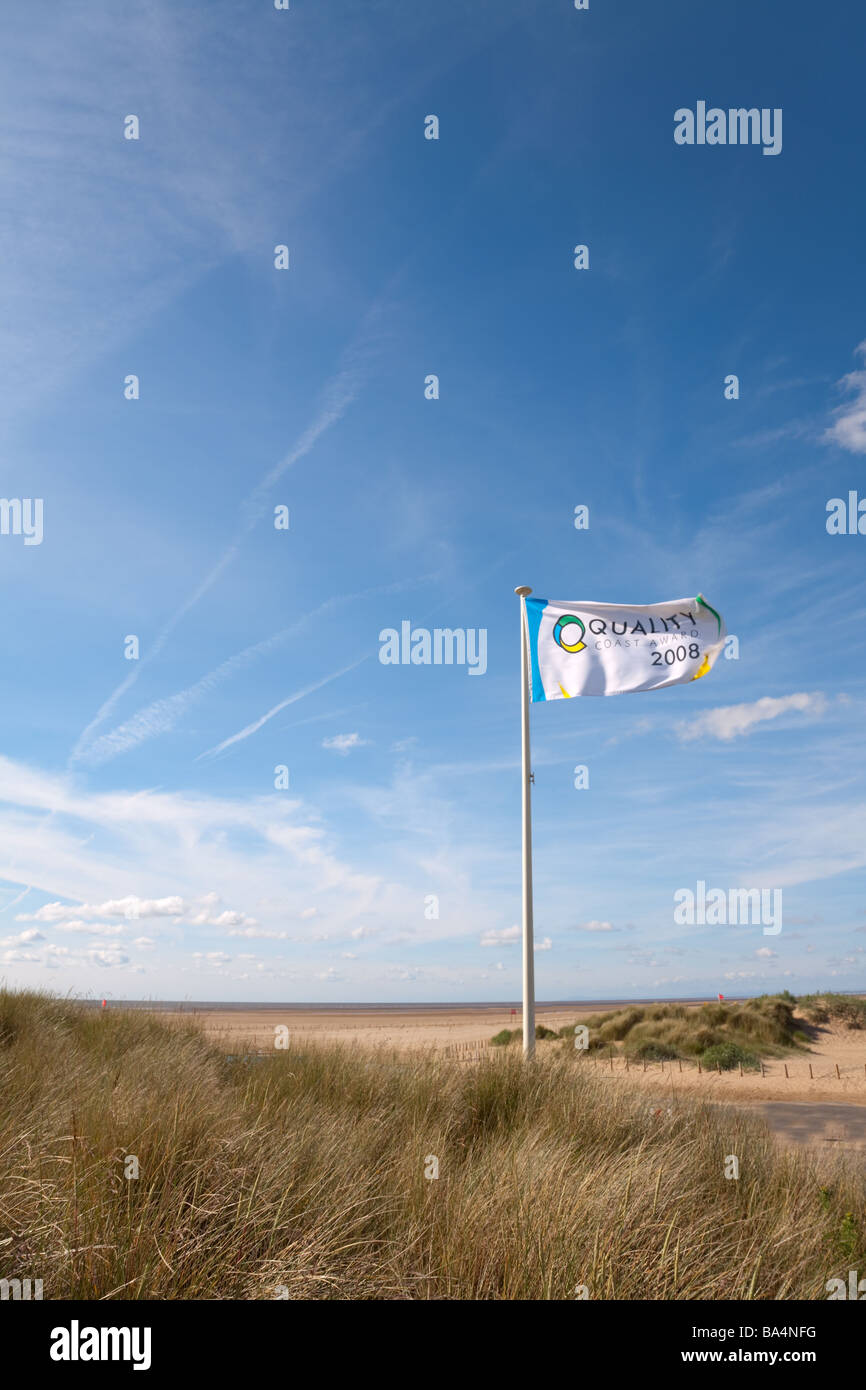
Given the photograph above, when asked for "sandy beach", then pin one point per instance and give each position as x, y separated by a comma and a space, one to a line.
809, 1075
412, 1026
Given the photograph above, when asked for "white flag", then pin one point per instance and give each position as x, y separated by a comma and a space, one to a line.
612, 648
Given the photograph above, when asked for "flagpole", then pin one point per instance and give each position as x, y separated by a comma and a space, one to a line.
528, 951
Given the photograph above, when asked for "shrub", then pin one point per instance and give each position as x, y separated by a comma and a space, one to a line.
654, 1052
845, 1009
728, 1055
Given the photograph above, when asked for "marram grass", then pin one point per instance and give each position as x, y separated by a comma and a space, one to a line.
305, 1173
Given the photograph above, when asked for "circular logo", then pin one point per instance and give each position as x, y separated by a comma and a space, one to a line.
564, 629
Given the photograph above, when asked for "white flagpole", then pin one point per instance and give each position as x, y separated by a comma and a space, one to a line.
528, 952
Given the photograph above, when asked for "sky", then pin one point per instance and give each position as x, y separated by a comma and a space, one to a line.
211, 787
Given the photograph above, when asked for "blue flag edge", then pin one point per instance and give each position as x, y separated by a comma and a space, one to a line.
534, 610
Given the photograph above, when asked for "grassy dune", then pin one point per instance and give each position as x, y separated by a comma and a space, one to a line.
847, 1010
725, 1035
306, 1170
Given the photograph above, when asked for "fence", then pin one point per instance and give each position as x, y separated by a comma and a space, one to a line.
775, 1069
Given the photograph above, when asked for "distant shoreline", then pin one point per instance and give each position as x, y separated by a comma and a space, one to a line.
407, 1006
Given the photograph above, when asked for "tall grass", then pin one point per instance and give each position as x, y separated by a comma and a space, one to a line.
846, 1009
307, 1170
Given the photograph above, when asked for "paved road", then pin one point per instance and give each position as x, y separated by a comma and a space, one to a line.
816, 1122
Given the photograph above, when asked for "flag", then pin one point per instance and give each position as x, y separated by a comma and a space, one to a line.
612, 649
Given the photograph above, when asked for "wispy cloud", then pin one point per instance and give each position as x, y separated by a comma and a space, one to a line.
849, 426
508, 936
161, 716
290, 700
730, 721
336, 399
344, 743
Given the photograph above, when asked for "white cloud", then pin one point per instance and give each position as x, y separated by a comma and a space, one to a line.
90, 928
344, 743
107, 958
215, 959
23, 938
596, 926
133, 909
508, 936
259, 934
849, 427
729, 721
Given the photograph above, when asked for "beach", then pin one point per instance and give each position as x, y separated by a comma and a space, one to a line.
466, 1031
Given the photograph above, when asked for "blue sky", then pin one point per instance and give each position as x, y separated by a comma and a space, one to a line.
144, 849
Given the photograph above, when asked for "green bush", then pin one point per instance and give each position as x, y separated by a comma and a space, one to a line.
510, 1035
728, 1055
654, 1052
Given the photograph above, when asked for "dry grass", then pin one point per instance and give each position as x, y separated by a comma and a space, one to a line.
307, 1170
765, 1026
